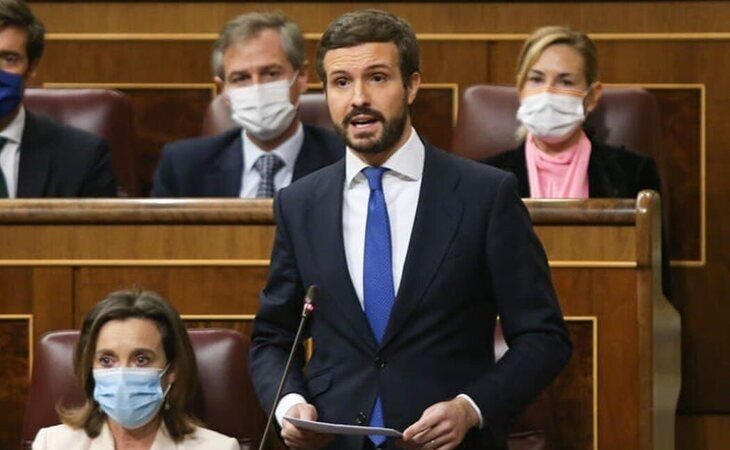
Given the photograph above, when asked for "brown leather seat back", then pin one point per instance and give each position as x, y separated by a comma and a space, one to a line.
312, 110
225, 402
486, 122
103, 112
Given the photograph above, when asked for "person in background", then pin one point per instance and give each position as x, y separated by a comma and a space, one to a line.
38, 156
259, 61
136, 366
558, 86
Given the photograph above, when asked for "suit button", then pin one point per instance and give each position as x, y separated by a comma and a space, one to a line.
360, 419
379, 362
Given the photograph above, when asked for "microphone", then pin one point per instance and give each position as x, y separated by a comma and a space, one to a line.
306, 310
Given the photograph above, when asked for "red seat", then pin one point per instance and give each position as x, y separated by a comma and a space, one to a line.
103, 112
312, 110
225, 402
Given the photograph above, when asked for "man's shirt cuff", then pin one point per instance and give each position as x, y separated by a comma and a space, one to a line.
290, 400
473, 405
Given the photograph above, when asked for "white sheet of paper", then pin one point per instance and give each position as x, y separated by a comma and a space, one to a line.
336, 428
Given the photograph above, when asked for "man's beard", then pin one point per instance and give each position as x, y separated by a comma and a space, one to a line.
392, 130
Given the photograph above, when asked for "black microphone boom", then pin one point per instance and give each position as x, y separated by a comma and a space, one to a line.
306, 309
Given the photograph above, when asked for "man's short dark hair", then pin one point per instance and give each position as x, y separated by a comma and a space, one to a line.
16, 13
371, 25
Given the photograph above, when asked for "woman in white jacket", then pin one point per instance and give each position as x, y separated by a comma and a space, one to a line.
136, 366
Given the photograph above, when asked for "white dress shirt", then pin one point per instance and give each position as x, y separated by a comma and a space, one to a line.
287, 151
10, 153
401, 188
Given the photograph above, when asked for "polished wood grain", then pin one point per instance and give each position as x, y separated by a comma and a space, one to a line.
14, 336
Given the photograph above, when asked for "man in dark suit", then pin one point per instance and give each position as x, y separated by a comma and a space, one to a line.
40, 157
415, 253
260, 64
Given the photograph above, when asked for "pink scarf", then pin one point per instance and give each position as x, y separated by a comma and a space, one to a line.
564, 175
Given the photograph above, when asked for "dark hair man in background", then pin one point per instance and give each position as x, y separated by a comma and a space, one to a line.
415, 253
40, 157
260, 63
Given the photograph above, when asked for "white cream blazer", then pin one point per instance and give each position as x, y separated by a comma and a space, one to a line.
63, 437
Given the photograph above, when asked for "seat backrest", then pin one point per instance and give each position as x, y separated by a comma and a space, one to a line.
487, 122
226, 401
106, 113
312, 111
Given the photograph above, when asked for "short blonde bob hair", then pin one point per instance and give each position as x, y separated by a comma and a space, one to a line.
544, 37
121, 305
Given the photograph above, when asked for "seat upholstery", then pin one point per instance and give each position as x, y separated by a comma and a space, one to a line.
312, 110
487, 121
103, 112
225, 402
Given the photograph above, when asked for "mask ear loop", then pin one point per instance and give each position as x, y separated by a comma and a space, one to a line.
169, 386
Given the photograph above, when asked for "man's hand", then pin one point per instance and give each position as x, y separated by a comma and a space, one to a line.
299, 439
441, 426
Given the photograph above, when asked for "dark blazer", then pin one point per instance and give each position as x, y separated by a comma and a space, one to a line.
57, 160
212, 166
472, 255
612, 172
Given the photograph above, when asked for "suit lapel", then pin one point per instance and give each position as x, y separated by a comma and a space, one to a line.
35, 160
328, 249
437, 219
225, 177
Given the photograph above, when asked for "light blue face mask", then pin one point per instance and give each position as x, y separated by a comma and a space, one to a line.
130, 396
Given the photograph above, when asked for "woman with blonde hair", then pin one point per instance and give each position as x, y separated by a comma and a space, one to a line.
557, 82
136, 366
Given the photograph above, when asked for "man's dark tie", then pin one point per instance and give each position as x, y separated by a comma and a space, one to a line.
267, 165
3, 183
378, 287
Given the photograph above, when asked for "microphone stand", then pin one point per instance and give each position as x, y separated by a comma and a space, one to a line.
306, 310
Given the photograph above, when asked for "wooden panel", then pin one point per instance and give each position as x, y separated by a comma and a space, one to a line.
152, 242
433, 108
571, 394
681, 164
14, 370
162, 116
581, 243
200, 290
703, 432
610, 295
426, 17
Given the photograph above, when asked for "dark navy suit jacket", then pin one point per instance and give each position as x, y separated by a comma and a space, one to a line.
212, 166
57, 160
472, 256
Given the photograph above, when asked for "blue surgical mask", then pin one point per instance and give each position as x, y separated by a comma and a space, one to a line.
130, 396
11, 92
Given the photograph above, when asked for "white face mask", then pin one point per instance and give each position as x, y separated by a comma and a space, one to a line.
264, 110
551, 117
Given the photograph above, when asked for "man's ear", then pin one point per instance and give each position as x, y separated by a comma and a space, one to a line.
31, 72
594, 96
219, 84
414, 82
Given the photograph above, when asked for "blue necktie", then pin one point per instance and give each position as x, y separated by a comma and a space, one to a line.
378, 288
